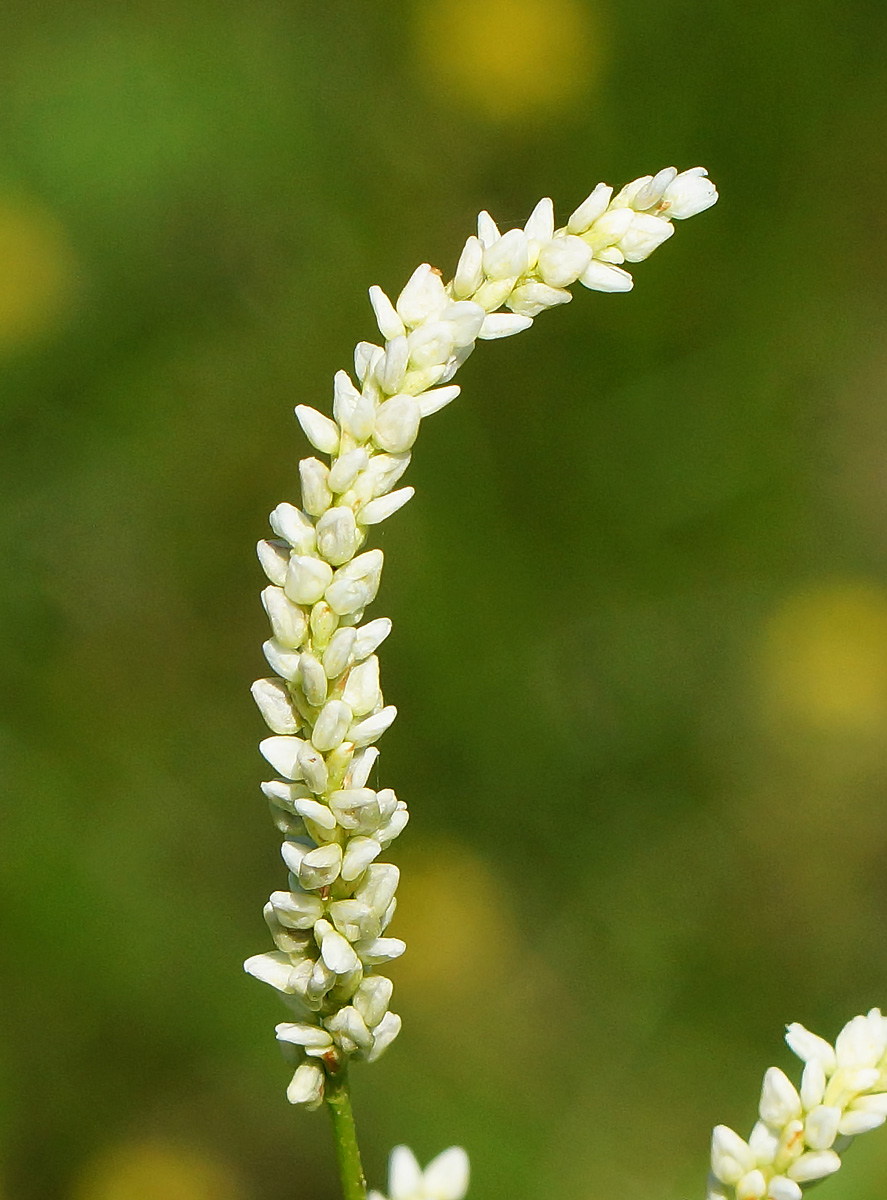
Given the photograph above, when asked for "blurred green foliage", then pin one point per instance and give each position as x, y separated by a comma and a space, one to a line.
640, 600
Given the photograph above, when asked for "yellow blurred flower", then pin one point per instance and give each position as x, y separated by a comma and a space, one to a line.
457, 922
37, 273
155, 1171
825, 658
508, 58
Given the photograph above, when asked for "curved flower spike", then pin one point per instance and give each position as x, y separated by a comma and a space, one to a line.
324, 703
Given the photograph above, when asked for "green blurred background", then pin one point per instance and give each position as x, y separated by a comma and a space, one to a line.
640, 599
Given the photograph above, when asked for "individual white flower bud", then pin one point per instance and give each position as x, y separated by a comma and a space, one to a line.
590, 209
294, 527
651, 193
309, 1037
321, 981
289, 623
602, 277
394, 826
372, 998
438, 398
281, 659
306, 1086
351, 918
359, 853
464, 317
361, 766
355, 585
751, 1186
362, 692
610, 254
319, 814
858, 1044
383, 1035
807, 1045
284, 795
323, 623
321, 432
371, 728
507, 257
383, 472
540, 224
392, 368
380, 950
365, 354
345, 394
816, 1165
390, 324
625, 197
348, 1025
876, 1103
500, 325
384, 507
783, 1188
338, 653
332, 725
821, 1127
298, 910
764, 1143
690, 193
492, 294
273, 968
813, 1083
487, 229
854, 1123
345, 470
731, 1157
847, 1082
397, 423
644, 235
319, 868
338, 538
533, 297
356, 809
378, 886
312, 677
335, 950
316, 496
282, 753
562, 260
276, 706
423, 296
469, 271
307, 578
274, 557
610, 228
313, 768
371, 636
780, 1102
429, 345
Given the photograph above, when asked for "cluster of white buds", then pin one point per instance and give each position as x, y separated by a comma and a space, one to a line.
445, 1177
802, 1132
324, 704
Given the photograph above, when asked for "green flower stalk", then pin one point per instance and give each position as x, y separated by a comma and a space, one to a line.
324, 703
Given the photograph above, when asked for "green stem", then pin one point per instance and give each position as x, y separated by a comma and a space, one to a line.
338, 1097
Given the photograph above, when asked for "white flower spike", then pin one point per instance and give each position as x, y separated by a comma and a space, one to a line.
445, 1177
801, 1133
324, 706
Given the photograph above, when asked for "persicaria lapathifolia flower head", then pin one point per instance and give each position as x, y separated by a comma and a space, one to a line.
323, 702
802, 1131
